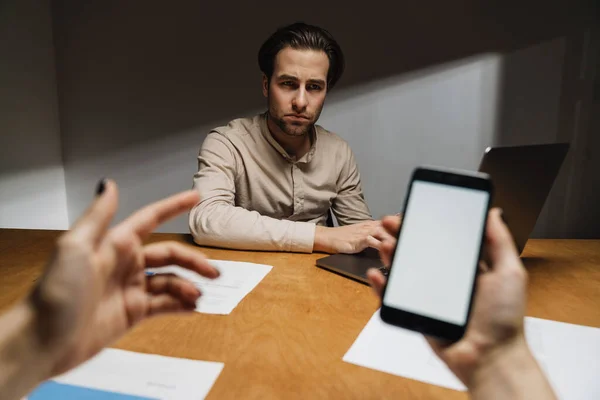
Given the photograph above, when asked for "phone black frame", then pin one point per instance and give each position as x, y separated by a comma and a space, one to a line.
426, 325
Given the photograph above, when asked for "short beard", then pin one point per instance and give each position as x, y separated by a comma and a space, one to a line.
292, 130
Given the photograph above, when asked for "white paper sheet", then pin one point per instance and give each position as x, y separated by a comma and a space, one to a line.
400, 352
125, 375
569, 354
222, 295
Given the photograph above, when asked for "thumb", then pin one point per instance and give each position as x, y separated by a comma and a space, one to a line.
500, 246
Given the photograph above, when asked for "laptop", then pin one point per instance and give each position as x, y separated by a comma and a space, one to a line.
522, 177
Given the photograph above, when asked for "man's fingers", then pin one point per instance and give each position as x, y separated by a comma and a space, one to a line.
378, 237
148, 218
94, 223
381, 234
373, 242
386, 250
170, 284
167, 253
376, 280
391, 224
500, 247
371, 223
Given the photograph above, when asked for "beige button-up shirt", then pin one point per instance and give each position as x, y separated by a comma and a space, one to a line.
255, 196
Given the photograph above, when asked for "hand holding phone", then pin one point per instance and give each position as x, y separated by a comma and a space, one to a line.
492, 359
434, 266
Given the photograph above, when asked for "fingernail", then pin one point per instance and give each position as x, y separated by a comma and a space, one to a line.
101, 186
218, 273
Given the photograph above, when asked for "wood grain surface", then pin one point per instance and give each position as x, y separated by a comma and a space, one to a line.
286, 339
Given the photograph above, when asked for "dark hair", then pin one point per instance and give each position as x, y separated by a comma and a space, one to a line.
302, 36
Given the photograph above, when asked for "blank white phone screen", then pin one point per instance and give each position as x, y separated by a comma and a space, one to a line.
437, 253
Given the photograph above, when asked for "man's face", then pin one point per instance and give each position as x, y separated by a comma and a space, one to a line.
297, 89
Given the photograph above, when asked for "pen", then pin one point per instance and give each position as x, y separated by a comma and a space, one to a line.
150, 273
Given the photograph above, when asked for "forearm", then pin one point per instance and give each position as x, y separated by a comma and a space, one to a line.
322, 241
23, 363
510, 373
224, 225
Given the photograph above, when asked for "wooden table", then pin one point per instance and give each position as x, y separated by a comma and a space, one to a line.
286, 339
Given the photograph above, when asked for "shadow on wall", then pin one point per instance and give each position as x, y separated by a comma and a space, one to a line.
136, 80
528, 111
134, 71
27, 90
547, 97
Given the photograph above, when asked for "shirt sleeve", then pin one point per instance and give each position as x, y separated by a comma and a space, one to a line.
349, 206
216, 221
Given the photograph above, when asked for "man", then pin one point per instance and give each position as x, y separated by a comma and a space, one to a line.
268, 182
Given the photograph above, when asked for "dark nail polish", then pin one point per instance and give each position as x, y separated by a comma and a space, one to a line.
101, 186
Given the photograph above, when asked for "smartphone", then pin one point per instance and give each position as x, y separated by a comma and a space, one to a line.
434, 266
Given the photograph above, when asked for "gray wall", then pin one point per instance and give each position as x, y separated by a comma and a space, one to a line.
32, 182
141, 87
531, 85
528, 109
574, 207
439, 116
141, 83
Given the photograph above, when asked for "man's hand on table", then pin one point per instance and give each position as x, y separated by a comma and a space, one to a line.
349, 239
